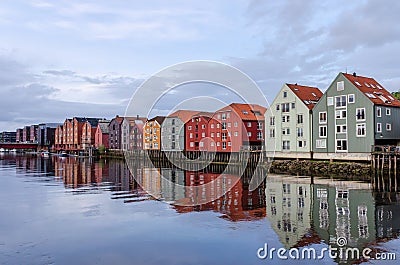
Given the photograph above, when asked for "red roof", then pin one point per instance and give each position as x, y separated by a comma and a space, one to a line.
307, 94
246, 111
184, 115
373, 90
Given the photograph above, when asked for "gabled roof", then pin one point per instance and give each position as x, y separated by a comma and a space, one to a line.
307, 94
135, 119
103, 125
158, 119
373, 90
246, 111
183, 115
118, 119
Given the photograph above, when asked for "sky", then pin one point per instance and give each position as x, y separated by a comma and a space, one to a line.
65, 58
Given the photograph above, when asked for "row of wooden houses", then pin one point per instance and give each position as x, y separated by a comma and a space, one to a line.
230, 129
352, 115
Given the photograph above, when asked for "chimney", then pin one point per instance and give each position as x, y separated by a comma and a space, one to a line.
355, 74
137, 116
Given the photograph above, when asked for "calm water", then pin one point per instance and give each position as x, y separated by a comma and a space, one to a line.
77, 211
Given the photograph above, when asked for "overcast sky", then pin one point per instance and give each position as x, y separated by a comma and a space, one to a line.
86, 58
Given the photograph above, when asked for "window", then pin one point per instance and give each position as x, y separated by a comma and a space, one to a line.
212, 144
235, 124
379, 127
272, 133
249, 124
301, 144
299, 132
191, 135
229, 124
259, 135
340, 101
340, 86
341, 128
360, 114
277, 106
293, 105
340, 114
272, 120
203, 134
217, 125
286, 131
299, 118
286, 145
201, 144
322, 131
218, 135
361, 130
218, 143
341, 145
379, 112
203, 126
322, 117
329, 101
189, 127
228, 115
235, 133
223, 116
224, 126
388, 126
286, 118
212, 134
249, 134
351, 98
229, 144
191, 144
284, 94
320, 143
388, 112
285, 107
223, 145
223, 136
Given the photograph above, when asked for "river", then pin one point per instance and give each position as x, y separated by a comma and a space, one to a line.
81, 211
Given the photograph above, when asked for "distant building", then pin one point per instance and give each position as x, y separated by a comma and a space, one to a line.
19, 135
354, 113
26, 134
8, 137
132, 133
115, 130
33, 133
152, 133
173, 130
58, 138
102, 134
46, 134
288, 122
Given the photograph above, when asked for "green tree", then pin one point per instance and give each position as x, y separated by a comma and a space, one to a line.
396, 95
102, 149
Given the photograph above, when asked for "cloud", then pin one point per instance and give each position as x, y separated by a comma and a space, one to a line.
309, 42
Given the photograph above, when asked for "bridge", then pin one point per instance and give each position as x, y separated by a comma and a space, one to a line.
18, 145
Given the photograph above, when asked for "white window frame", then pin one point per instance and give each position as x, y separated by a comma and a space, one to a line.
329, 101
320, 143
340, 111
340, 86
378, 112
341, 126
354, 98
388, 112
341, 140
365, 114
326, 131
341, 105
388, 127
365, 129
379, 127
326, 117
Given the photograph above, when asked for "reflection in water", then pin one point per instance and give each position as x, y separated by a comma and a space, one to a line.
301, 212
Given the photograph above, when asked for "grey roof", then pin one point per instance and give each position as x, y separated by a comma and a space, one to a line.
103, 124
